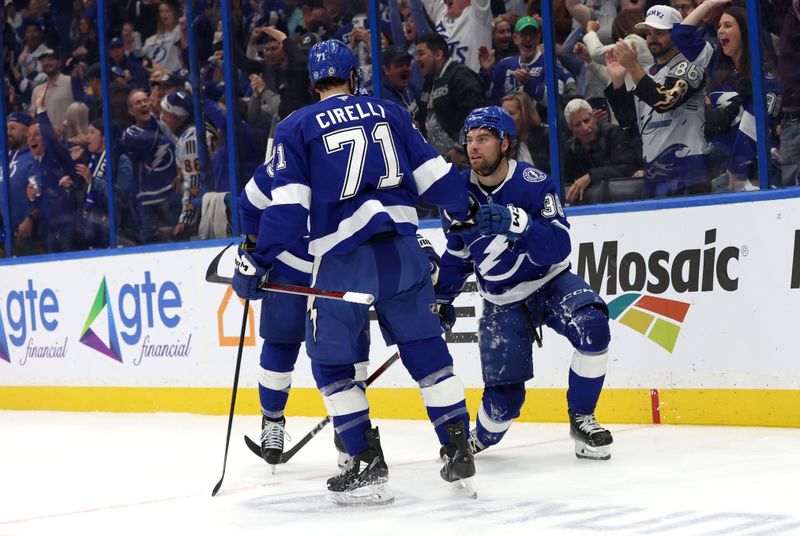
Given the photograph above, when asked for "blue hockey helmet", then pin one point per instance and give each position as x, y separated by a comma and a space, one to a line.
331, 59
493, 118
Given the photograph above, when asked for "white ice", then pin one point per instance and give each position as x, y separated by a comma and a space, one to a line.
119, 474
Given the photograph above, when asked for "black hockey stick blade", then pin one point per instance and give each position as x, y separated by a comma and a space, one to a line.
255, 448
212, 276
212, 273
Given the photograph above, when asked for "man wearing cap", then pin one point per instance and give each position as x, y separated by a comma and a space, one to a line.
666, 105
162, 84
21, 165
176, 114
135, 74
395, 80
525, 71
58, 88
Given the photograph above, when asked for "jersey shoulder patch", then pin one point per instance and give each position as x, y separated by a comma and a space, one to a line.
531, 174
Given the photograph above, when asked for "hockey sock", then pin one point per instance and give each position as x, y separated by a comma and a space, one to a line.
499, 407
431, 366
346, 403
586, 376
275, 377
589, 334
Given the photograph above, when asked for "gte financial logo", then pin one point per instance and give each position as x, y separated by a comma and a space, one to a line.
642, 279
28, 320
140, 308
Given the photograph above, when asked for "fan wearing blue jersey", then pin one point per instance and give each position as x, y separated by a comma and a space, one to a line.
282, 318
519, 255
348, 172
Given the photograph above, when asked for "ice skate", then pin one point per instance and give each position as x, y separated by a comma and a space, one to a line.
475, 445
592, 441
459, 465
363, 480
344, 457
272, 433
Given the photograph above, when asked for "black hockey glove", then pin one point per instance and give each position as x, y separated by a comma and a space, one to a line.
434, 261
465, 225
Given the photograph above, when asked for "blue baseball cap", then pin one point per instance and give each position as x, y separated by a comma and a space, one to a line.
20, 117
116, 42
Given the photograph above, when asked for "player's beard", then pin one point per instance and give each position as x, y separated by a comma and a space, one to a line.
486, 167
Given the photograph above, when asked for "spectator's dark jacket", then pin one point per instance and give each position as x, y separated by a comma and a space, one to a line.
406, 98
455, 93
57, 204
612, 155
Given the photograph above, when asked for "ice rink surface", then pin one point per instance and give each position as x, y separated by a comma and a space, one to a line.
152, 474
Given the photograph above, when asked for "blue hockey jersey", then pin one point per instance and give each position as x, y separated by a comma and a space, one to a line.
508, 271
153, 157
503, 82
351, 167
254, 198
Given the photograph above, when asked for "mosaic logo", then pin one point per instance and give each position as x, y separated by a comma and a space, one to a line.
659, 319
90, 338
690, 270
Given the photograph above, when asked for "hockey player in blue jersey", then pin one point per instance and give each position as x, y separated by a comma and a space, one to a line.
348, 171
282, 318
518, 254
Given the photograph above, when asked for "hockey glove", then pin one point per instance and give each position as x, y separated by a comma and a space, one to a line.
465, 224
433, 258
249, 277
506, 220
447, 314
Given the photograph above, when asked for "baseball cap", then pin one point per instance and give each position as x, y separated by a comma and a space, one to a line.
21, 118
167, 79
178, 103
116, 42
307, 41
93, 71
660, 18
525, 22
395, 56
48, 52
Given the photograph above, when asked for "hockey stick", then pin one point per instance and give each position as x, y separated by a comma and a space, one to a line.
255, 448
212, 276
233, 396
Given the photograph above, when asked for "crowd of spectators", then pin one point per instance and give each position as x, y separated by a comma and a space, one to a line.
655, 99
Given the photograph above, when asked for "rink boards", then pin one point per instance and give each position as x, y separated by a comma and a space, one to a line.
703, 302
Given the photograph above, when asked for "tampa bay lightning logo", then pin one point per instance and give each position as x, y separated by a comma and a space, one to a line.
533, 175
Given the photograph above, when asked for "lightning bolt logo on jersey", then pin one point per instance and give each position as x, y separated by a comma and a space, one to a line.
508, 271
153, 157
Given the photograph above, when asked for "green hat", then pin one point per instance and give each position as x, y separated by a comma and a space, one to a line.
525, 22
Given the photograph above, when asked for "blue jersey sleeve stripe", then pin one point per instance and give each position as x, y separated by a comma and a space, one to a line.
292, 194
255, 195
295, 262
462, 254
360, 218
431, 171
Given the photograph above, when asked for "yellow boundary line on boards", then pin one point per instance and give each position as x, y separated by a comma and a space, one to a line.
737, 407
